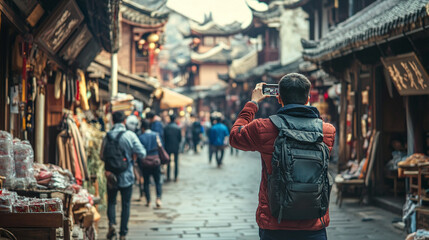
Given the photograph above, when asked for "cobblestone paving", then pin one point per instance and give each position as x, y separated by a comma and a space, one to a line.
211, 203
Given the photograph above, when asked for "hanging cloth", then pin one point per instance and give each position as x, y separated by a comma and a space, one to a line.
77, 164
80, 149
82, 90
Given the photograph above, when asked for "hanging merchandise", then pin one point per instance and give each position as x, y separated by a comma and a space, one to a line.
82, 90
24, 54
57, 85
40, 124
71, 154
73, 88
67, 88
31, 87
63, 83
14, 102
77, 96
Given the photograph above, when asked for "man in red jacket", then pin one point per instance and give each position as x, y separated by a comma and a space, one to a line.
260, 134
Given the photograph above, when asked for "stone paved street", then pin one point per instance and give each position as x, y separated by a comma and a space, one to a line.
212, 203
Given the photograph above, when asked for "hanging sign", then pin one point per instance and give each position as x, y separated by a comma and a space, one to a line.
75, 45
407, 74
59, 26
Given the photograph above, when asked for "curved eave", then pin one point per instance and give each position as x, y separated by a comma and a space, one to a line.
132, 23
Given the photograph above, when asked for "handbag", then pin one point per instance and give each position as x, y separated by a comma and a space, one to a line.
163, 155
151, 161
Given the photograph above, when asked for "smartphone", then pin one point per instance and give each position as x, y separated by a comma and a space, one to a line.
270, 89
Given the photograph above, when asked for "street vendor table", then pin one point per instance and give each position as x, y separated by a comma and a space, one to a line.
32, 225
64, 195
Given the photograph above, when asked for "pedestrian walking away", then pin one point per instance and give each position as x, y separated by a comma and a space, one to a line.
197, 132
156, 124
173, 137
218, 138
117, 149
294, 145
151, 165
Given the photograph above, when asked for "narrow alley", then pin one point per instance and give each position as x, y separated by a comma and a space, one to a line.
212, 203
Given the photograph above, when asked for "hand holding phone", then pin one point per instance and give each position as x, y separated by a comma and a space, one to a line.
270, 89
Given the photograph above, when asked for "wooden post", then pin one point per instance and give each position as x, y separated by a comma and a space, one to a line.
113, 89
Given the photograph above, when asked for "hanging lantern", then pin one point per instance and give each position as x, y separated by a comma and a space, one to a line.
152, 45
153, 38
189, 109
141, 42
157, 50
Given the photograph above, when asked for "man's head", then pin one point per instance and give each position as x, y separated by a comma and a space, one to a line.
150, 116
294, 88
145, 125
118, 117
172, 118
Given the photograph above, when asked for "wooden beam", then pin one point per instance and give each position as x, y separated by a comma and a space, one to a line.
13, 17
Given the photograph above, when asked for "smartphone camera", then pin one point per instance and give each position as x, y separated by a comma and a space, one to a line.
270, 89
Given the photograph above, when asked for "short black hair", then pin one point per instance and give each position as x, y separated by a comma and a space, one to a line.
145, 124
118, 117
172, 118
150, 115
294, 88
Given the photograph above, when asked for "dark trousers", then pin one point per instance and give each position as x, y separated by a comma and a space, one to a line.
218, 151
265, 234
176, 165
126, 203
195, 142
156, 173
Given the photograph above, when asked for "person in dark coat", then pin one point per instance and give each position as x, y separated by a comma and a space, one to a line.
156, 124
172, 138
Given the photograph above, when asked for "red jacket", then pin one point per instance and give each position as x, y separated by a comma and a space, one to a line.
259, 135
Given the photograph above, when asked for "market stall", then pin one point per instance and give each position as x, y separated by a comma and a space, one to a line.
41, 188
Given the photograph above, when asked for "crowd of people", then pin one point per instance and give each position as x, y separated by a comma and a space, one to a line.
143, 141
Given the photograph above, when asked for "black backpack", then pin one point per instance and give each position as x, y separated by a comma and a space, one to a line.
300, 185
115, 160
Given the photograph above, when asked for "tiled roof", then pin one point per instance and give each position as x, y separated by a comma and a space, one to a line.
378, 21
218, 54
273, 13
139, 14
211, 28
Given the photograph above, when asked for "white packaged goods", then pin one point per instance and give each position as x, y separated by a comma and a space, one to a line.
24, 158
7, 165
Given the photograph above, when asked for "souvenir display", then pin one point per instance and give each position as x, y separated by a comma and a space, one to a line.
10, 202
24, 158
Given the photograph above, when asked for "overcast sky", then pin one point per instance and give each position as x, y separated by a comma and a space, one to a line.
224, 12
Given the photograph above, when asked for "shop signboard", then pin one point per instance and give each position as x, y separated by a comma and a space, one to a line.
59, 26
407, 74
75, 45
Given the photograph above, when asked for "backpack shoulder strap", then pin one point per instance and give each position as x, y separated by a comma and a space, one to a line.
119, 136
279, 121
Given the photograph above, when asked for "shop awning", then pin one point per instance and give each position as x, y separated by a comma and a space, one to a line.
171, 99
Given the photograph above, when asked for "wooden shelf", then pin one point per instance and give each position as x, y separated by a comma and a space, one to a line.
31, 220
